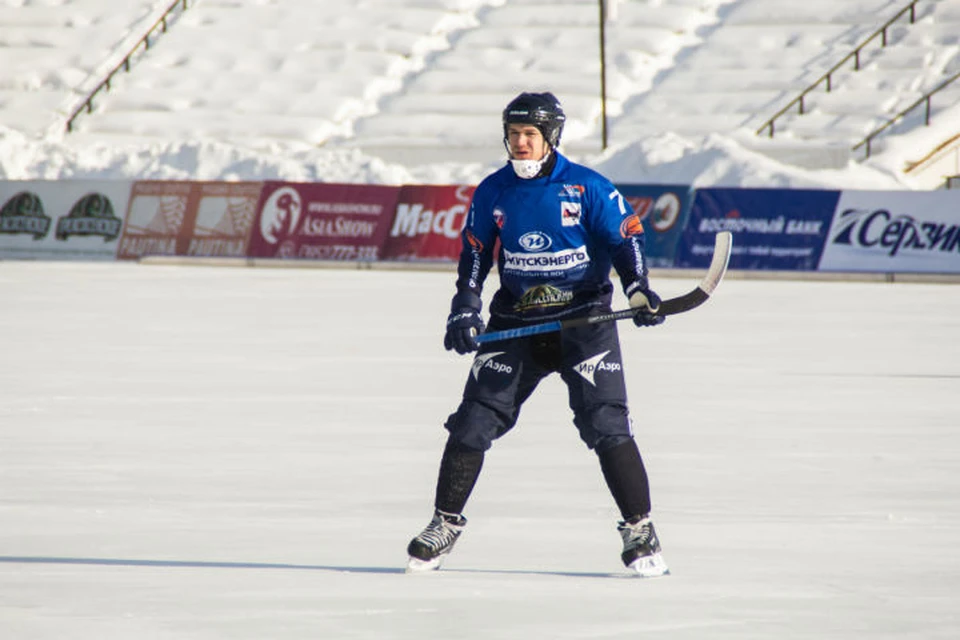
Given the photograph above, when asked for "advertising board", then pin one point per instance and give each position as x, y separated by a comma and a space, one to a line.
182, 218
895, 232
664, 210
62, 220
427, 223
773, 229
322, 221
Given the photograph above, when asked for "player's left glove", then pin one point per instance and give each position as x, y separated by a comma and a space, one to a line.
647, 303
464, 323
463, 327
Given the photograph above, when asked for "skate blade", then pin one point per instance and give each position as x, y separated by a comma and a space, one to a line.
416, 565
650, 566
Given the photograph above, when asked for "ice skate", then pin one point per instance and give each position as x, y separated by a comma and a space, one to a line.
429, 549
641, 548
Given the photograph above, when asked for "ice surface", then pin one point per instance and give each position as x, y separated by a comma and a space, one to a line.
207, 453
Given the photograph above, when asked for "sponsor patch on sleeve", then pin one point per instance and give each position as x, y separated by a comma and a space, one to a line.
631, 226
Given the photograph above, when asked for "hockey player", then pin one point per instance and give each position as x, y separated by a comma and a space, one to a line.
561, 227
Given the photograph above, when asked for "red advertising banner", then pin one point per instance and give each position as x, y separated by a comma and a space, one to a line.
322, 221
167, 218
427, 223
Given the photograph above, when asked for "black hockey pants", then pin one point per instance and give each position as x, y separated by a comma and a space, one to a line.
504, 374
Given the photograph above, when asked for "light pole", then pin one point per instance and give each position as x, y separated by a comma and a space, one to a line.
603, 71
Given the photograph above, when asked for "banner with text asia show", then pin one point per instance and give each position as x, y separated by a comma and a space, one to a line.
319, 221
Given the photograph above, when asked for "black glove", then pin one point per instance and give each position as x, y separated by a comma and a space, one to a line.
647, 303
462, 328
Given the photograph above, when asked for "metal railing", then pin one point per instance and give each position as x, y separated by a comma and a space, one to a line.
104, 85
926, 99
827, 77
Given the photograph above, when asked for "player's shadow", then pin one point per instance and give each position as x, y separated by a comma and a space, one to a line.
189, 564
202, 564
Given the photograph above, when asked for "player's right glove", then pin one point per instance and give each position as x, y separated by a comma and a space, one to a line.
647, 303
463, 327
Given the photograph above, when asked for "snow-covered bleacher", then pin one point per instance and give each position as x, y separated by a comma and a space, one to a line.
52, 50
424, 80
451, 105
255, 74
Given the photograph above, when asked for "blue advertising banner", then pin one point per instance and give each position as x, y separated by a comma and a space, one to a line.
773, 229
664, 210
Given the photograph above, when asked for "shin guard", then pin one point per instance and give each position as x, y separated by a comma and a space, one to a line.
627, 478
459, 470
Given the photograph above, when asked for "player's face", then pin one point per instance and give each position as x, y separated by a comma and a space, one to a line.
526, 142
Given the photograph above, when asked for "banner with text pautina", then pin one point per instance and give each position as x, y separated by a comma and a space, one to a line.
181, 218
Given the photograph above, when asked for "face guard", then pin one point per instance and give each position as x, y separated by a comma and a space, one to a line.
528, 169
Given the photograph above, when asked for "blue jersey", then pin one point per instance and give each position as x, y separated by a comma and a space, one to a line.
559, 236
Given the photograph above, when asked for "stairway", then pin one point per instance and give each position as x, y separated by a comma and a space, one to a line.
50, 52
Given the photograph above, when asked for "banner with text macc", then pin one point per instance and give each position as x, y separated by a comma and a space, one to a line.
774, 229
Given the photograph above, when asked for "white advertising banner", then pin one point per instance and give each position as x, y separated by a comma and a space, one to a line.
62, 219
895, 232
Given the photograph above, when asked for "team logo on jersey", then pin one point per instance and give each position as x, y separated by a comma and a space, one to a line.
499, 217
570, 213
535, 241
631, 226
589, 367
486, 361
574, 191
542, 296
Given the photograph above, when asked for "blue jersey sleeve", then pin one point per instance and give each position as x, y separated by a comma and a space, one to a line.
620, 230
478, 238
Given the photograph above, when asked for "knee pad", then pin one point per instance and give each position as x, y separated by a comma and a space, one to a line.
603, 426
476, 425
606, 443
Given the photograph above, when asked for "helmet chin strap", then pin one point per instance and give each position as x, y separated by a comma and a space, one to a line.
528, 169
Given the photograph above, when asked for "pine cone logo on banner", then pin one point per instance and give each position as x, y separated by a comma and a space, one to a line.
23, 213
91, 215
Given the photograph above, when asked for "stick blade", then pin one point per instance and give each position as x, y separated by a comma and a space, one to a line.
722, 247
